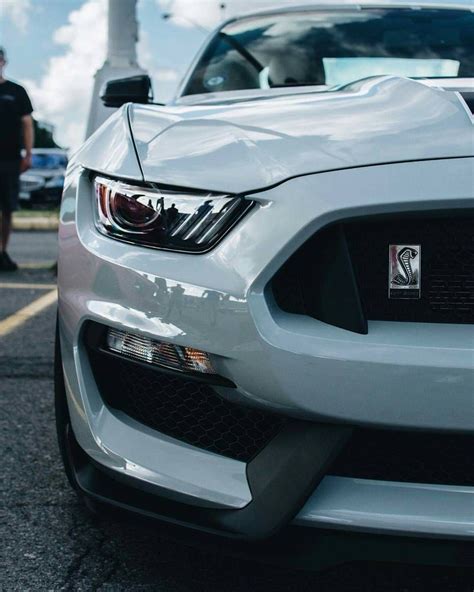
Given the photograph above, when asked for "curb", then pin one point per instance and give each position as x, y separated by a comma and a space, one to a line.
46, 223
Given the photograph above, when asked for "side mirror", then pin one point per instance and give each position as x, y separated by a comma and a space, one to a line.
136, 89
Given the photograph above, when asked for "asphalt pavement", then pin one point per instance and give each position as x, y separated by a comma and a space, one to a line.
49, 541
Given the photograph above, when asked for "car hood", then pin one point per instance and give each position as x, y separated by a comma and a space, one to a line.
245, 144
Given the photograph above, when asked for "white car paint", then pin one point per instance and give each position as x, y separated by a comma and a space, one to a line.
383, 146
256, 143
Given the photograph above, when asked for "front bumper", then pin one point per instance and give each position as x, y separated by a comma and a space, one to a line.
297, 546
400, 375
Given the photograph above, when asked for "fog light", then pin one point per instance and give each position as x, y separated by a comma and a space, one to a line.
158, 353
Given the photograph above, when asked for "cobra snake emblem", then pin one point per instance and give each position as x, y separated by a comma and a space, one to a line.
404, 258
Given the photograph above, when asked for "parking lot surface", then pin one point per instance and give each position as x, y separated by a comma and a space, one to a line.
49, 541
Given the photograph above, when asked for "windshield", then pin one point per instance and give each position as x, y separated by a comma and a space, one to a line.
336, 47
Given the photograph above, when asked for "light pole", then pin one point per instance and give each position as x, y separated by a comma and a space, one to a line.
121, 59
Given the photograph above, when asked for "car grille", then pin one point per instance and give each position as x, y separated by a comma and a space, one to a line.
447, 268
187, 410
340, 276
413, 457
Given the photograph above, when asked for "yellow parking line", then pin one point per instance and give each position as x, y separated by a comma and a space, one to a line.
17, 319
38, 265
16, 286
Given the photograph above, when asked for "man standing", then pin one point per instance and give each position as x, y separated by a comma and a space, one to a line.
16, 132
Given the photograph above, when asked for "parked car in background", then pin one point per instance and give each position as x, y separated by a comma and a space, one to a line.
265, 290
42, 185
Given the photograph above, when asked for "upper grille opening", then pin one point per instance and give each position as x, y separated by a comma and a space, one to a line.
341, 274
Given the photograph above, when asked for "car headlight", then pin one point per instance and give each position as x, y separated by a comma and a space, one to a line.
170, 219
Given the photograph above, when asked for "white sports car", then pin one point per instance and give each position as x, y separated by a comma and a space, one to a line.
266, 290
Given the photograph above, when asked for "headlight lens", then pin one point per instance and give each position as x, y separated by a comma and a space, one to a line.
166, 219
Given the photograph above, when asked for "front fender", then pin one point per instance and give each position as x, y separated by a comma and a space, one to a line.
110, 149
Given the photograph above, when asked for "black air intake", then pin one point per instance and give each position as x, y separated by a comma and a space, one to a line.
188, 410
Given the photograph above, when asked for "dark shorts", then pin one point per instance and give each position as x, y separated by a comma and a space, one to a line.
9, 188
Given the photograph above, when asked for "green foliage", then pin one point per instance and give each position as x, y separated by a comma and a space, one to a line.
44, 135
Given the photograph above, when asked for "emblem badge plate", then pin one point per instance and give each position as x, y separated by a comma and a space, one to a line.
404, 271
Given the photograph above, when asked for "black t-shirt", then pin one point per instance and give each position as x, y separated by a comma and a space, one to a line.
14, 104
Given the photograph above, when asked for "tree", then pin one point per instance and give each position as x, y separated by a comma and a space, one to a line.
44, 135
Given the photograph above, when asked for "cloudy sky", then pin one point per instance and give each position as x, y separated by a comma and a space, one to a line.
55, 46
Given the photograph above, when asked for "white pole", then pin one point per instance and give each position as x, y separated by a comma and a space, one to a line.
121, 59
122, 33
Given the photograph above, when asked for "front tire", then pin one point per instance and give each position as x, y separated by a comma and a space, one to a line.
63, 426
63, 422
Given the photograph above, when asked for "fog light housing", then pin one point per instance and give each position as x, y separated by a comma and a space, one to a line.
158, 353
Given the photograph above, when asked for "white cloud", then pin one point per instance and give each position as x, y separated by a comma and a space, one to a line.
17, 11
62, 96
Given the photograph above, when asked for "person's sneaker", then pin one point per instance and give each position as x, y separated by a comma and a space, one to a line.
6, 264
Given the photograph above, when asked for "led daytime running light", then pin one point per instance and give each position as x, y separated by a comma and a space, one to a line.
168, 219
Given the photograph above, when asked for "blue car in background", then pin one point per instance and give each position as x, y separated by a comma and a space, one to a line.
42, 185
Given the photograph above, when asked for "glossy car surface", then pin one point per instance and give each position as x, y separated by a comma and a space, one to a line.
234, 354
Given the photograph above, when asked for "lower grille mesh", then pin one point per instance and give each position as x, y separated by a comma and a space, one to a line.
187, 410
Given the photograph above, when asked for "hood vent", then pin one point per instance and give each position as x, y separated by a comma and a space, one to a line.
468, 97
